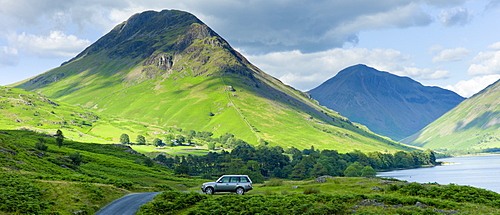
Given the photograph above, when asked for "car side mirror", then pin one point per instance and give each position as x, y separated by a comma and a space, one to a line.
219, 181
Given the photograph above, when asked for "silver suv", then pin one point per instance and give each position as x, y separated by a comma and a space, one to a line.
228, 183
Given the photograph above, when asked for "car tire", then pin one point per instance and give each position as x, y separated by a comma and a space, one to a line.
240, 191
209, 190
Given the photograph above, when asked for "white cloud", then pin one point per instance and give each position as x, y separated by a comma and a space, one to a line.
485, 63
8, 56
305, 71
459, 17
467, 88
494, 46
448, 55
56, 44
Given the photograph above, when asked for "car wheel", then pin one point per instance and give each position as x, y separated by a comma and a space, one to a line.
240, 191
209, 190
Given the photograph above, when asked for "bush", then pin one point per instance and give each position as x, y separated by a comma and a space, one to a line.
171, 202
76, 158
274, 182
40, 145
311, 190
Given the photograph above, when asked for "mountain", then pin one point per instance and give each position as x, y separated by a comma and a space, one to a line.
387, 104
473, 125
170, 69
23, 110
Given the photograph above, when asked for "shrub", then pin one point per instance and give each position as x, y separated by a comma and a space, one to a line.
20, 195
311, 190
76, 158
274, 182
40, 145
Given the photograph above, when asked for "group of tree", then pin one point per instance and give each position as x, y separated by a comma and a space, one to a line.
263, 161
187, 137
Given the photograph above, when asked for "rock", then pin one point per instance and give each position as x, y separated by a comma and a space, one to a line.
420, 205
447, 212
230, 88
8, 151
370, 202
322, 179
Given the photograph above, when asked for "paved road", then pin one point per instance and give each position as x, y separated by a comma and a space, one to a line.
127, 205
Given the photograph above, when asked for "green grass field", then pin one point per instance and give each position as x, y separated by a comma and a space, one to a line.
337, 195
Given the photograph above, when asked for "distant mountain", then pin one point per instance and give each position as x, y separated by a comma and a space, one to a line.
169, 69
474, 125
387, 104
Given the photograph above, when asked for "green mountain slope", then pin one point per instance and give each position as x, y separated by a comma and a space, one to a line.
169, 69
20, 109
471, 126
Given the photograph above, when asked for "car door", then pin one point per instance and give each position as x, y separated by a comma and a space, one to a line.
223, 185
244, 182
233, 183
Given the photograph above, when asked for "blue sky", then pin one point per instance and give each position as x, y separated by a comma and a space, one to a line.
454, 44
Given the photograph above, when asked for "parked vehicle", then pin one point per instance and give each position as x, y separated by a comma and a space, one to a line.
229, 183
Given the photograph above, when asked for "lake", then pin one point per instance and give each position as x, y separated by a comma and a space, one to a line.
476, 171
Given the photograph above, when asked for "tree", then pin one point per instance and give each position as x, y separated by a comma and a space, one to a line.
59, 138
76, 158
157, 142
299, 171
140, 140
40, 145
368, 172
292, 150
353, 170
148, 162
124, 139
180, 139
318, 170
211, 146
181, 170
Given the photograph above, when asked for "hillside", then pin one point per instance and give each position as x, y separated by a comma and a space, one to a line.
38, 177
472, 126
20, 109
387, 104
169, 69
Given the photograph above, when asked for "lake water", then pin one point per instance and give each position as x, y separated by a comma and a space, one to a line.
476, 171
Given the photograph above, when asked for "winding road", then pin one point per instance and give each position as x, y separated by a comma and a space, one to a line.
127, 205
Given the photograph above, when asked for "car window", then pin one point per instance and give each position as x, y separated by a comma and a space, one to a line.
225, 180
235, 179
244, 179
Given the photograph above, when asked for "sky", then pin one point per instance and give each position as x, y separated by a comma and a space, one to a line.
454, 44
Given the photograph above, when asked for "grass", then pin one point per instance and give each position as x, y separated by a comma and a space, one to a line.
339, 195
50, 181
467, 128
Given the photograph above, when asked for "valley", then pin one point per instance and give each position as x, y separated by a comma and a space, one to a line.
163, 103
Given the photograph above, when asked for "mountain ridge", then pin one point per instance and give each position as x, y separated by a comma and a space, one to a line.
389, 105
